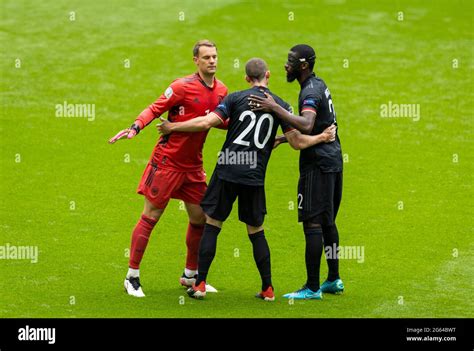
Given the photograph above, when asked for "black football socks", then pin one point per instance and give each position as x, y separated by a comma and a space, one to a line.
207, 251
331, 245
314, 249
261, 255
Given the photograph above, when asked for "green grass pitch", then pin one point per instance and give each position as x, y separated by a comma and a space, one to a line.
407, 197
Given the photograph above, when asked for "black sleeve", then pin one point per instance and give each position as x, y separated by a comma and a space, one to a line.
310, 100
223, 110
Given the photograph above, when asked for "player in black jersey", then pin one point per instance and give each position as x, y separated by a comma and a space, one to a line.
320, 183
240, 171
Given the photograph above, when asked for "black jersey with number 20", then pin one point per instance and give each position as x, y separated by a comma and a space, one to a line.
250, 138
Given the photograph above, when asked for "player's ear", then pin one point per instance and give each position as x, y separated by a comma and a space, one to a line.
267, 74
195, 59
247, 78
304, 66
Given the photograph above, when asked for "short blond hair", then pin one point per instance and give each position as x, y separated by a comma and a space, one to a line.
200, 43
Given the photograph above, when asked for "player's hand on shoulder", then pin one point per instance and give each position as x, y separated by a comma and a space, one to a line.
164, 127
258, 103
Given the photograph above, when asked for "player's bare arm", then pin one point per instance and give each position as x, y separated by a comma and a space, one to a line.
300, 141
198, 124
280, 139
303, 123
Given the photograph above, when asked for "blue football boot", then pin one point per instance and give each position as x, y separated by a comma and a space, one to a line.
305, 294
335, 287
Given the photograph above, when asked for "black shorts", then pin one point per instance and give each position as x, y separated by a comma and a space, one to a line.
220, 196
319, 196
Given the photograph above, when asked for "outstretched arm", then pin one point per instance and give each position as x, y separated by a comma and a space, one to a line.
171, 97
197, 124
303, 123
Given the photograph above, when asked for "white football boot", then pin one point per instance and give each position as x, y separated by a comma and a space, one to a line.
133, 287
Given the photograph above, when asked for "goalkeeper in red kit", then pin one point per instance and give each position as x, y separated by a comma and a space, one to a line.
175, 168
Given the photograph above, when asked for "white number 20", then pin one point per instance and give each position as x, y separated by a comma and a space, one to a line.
240, 139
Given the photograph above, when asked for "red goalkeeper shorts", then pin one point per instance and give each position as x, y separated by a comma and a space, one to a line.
160, 185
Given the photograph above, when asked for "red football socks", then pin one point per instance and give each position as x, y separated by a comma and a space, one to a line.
193, 238
140, 237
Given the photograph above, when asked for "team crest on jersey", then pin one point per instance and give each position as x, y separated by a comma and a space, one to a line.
168, 92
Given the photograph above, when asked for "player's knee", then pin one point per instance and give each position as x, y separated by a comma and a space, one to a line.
254, 230
312, 228
311, 224
214, 222
198, 220
153, 212
195, 214
156, 214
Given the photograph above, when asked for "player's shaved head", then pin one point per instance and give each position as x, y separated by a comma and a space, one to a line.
256, 68
200, 43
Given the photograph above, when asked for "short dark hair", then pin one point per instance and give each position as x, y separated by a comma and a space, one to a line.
256, 68
305, 54
200, 43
